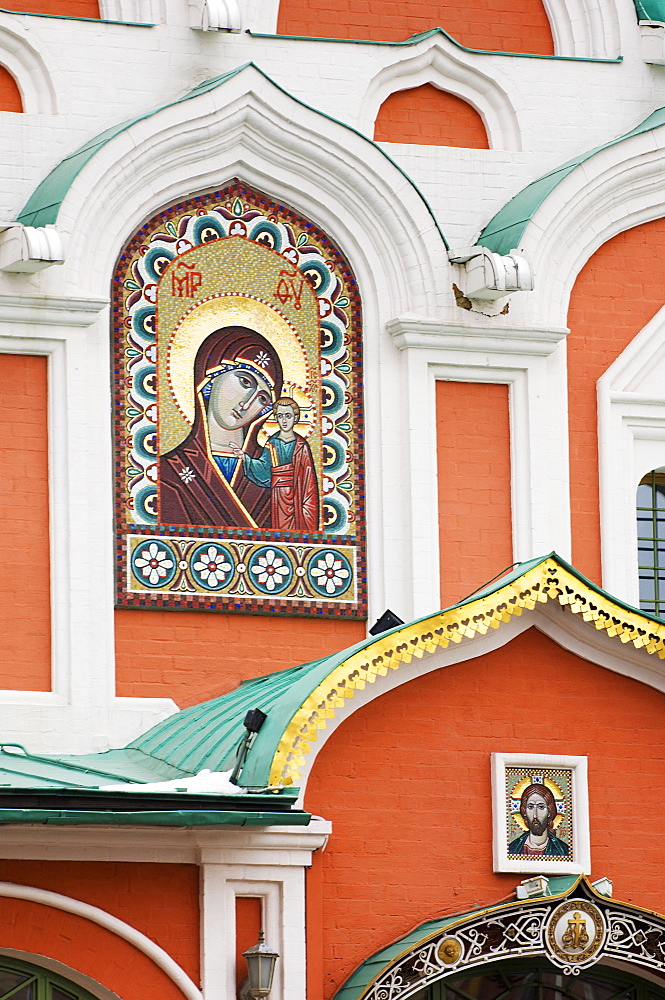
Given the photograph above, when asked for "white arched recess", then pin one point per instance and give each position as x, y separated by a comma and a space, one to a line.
28, 69
248, 128
568, 630
585, 28
438, 61
631, 443
614, 190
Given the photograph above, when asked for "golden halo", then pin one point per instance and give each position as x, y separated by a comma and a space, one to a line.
307, 421
516, 795
230, 310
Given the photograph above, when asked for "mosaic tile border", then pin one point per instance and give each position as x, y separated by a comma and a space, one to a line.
299, 588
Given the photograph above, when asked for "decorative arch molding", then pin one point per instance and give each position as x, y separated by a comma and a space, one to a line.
29, 70
108, 922
245, 126
439, 62
617, 188
133, 11
374, 671
618, 934
631, 442
584, 28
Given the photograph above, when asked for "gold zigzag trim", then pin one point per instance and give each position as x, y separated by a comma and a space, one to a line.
548, 581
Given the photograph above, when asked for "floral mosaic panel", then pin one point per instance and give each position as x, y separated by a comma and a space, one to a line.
238, 412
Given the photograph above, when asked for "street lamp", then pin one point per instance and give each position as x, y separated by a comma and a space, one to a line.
260, 968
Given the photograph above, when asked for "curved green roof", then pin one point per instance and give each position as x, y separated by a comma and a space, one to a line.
298, 702
44, 203
650, 10
505, 231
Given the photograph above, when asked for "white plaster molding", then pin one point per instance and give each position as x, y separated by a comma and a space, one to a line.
566, 629
133, 11
488, 279
95, 915
277, 846
437, 61
80, 712
216, 15
532, 364
249, 127
26, 249
584, 28
652, 42
631, 442
614, 190
282, 894
28, 69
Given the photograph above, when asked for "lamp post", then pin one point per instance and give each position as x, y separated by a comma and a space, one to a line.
261, 963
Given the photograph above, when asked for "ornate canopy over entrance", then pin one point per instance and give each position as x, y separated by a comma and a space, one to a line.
572, 928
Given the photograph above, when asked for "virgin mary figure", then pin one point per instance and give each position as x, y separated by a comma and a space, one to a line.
237, 378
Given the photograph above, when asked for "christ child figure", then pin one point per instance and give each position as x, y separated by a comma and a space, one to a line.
286, 467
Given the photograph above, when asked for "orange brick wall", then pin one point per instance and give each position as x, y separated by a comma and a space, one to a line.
413, 828
64, 8
615, 295
429, 116
25, 619
85, 947
190, 656
249, 922
161, 900
473, 449
504, 25
10, 95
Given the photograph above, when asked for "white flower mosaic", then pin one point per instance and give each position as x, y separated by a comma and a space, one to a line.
270, 570
212, 566
329, 573
154, 564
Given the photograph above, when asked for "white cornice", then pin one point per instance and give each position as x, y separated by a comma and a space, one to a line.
274, 845
50, 310
413, 332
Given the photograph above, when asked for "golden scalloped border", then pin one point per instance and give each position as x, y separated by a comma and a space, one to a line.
548, 581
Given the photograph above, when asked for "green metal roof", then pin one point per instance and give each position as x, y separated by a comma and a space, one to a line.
43, 206
207, 736
44, 203
505, 231
650, 10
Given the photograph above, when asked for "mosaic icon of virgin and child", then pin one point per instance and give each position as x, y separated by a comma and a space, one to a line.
220, 475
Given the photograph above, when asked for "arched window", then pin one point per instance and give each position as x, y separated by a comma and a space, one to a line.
22, 981
651, 541
528, 981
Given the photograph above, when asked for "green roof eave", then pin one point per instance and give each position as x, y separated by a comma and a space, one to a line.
208, 735
173, 817
44, 203
421, 35
505, 230
43, 206
650, 10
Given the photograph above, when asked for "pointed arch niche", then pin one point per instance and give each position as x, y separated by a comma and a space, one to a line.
428, 116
